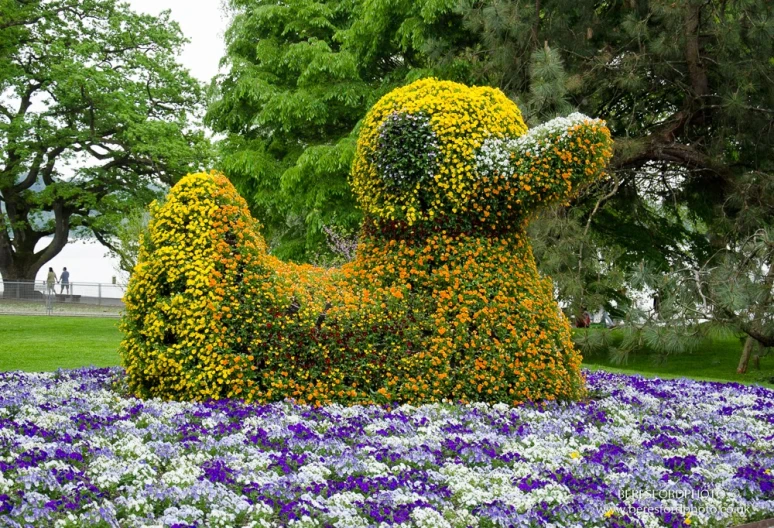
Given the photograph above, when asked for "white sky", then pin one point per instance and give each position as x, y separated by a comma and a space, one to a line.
203, 22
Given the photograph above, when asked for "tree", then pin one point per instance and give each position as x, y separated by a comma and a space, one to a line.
94, 120
686, 86
687, 90
734, 287
288, 106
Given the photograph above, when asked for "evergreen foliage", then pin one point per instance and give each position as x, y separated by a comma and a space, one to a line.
686, 88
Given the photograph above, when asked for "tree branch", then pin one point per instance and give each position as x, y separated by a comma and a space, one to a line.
696, 70
7, 24
61, 236
50, 163
32, 175
125, 262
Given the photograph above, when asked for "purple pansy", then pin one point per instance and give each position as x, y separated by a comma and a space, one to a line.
74, 448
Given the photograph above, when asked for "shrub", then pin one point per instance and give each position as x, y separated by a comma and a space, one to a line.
202, 272
443, 300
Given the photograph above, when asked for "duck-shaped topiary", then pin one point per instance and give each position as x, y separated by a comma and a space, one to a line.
443, 300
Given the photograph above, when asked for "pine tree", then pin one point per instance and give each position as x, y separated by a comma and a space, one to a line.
685, 86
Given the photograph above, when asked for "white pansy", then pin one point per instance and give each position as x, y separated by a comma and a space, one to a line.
218, 517
5, 484
305, 522
314, 472
429, 518
184, 472
495, 154
374, 467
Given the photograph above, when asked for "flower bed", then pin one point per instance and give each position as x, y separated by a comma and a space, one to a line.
74, 451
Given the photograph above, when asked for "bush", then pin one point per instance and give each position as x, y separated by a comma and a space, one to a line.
443, 300
202, 271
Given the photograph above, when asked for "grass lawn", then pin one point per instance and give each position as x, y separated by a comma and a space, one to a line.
36, 343
39, 343
714, 360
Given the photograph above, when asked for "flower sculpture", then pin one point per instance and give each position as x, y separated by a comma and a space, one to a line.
443, 301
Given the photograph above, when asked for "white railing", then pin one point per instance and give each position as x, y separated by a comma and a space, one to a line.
73, 297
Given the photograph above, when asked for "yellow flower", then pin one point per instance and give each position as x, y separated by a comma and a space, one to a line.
443, 298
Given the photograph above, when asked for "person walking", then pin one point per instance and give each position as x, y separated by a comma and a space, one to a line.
64, 280
51, 281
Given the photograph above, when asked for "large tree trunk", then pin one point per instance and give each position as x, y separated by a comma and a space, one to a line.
19, 262
19, 269
19, 287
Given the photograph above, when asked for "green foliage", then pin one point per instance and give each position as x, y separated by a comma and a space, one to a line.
685, 87
548, 90
94, 119
407, 151
288, 106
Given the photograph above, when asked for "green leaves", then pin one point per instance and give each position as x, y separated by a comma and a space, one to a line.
288, 106
407, 152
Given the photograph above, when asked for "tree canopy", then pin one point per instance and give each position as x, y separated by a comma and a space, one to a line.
95, 118
686, 86
289, 104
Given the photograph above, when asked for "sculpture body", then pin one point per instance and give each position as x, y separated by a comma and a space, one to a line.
443, 301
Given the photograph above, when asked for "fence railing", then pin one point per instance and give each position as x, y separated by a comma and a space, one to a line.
75, 298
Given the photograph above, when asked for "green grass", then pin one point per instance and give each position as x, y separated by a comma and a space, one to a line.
714, 360
41, 343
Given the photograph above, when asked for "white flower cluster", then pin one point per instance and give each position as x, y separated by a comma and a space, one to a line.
496, 155
650, 444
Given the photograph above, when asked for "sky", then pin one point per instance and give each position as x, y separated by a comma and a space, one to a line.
203, 22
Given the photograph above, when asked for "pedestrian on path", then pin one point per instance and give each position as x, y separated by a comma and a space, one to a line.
64, 280
51, 281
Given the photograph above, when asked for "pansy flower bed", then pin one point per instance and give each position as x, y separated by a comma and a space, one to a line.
75, 451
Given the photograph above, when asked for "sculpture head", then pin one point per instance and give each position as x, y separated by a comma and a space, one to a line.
441, 153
